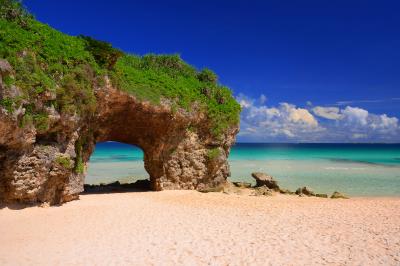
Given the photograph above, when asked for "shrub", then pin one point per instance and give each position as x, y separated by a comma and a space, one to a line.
9, 81
79, 165
8, 104
207, 76
212, 154
41, 122
14, 11
104, 54
64, 161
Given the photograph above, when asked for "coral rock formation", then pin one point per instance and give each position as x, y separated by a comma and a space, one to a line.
50, 167
61, 94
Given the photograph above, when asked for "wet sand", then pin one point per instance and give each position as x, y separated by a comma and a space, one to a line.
191, 228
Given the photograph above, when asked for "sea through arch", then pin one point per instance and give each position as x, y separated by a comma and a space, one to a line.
114, 161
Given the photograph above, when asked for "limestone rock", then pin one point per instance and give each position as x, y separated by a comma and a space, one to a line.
338, 195
5, 67
263, 191
286, 191
263, 179
307, 191
175, 157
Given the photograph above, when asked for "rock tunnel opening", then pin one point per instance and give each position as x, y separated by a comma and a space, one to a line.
116, 167
180, 151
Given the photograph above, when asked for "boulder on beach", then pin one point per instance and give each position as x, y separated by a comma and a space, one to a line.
338, 195
321, 195
307, 191
263, 179
263, 191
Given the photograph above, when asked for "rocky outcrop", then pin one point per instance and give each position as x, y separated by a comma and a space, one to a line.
306, 191
180, 150
263, 191
338, 195
263, 179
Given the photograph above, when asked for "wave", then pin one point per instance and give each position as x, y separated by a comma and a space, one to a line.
344, 168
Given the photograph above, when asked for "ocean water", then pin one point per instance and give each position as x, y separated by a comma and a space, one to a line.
355, 169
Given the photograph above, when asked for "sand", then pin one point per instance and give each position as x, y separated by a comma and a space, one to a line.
191, 228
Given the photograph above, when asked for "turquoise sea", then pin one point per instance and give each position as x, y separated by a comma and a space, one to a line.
355, 169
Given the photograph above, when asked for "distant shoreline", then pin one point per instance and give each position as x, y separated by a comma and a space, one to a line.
355, 169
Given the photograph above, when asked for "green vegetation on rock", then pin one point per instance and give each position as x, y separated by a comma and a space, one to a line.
62, 71
7, 104
213, 153
79, 165
64, 161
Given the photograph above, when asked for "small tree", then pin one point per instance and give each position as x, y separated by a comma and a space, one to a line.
12, 10
103, 52
206, 75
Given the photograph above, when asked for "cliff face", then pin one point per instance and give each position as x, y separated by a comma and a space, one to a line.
180, 150
60, 95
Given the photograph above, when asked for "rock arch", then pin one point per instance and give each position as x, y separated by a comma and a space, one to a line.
180, 152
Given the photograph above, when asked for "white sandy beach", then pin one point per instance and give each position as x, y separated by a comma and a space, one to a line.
191, 228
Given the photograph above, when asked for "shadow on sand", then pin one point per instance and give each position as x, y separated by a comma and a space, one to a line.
117, 187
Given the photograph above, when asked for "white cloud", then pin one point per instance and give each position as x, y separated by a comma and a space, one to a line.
383, 123
327, 112
287, 122
360, 101
355, 116
299, 115
359, 136
244, 101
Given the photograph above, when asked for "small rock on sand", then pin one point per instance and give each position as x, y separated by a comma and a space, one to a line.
262, 191
263, 179
286, 191
338, 195
305, 191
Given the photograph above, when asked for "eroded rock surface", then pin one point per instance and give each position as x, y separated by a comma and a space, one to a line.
306, 191
263, 179
338, 195
50, 167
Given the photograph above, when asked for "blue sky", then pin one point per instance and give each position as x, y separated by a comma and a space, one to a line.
314, 71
